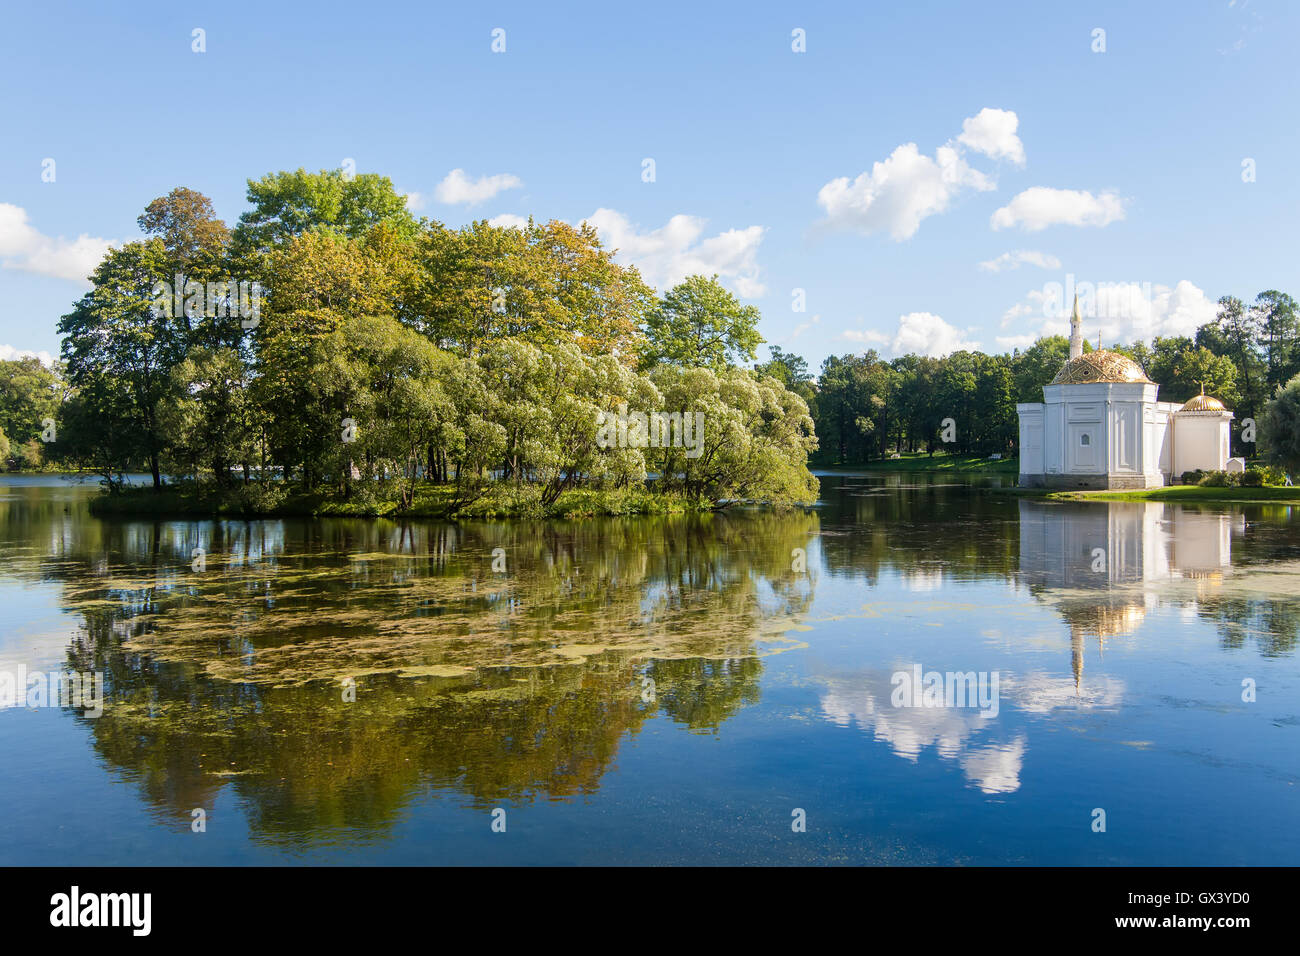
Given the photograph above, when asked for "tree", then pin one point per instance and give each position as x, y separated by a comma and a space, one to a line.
699, 324
288, 204
753, 441
1037, 365
29, 394
119, 353
1279, 427
543, 283
188, 226
1279, 327
1198, 369
208, 418
1234, 333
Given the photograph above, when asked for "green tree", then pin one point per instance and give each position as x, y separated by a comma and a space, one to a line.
1279, 427
208, 418
119, 352
699, 324
288, 204
29, 394
1279, 329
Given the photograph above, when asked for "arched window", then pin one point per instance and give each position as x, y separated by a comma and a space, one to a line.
1085, 439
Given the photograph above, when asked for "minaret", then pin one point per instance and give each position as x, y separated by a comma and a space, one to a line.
1076, 331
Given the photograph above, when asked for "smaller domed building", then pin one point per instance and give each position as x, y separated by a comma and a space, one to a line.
1100, 425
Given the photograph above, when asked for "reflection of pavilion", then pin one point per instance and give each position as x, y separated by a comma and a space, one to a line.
1099, 557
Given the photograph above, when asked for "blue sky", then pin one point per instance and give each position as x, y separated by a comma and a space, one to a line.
1122, 166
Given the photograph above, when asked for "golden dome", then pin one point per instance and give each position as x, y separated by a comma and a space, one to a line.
1101, 366
1203, 403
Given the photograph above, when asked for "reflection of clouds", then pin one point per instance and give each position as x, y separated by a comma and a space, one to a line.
959, 734
922, 580
1042, 693
996, 767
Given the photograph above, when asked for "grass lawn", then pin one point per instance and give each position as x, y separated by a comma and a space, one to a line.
1185, 493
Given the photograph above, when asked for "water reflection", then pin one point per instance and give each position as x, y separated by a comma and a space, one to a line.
499, 685
523, 685
1102, 567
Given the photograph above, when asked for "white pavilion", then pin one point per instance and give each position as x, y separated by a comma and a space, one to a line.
1100, 425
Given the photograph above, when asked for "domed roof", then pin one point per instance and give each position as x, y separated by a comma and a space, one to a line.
1203, 403
1101, 366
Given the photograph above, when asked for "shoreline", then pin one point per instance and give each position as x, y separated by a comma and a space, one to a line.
434, 503
1188, 494
938, 464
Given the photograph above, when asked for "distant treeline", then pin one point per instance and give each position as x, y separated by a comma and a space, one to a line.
866, 407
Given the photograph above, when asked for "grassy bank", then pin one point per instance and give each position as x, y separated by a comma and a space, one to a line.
1184, 493
938, 462
431, 501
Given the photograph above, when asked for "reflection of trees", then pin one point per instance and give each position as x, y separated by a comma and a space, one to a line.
500, 686
910, 526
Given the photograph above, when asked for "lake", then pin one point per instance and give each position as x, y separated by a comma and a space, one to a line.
918, 670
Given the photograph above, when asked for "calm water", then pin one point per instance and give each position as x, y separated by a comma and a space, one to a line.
664, 690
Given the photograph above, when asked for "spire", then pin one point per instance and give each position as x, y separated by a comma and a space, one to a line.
1076, 331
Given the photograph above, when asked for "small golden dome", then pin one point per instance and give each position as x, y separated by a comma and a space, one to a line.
1203, 403
1101, 366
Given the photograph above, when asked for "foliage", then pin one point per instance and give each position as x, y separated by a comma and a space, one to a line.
1279, 427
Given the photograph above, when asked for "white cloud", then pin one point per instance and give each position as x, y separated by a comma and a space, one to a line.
993, 133
1124, 312
9, 354
799, 330
1014, 260
24, 247
677, 249
456, 187
907, 187
1010, 343
508, 220
867, 336
1039, 207
924, 333
899, 192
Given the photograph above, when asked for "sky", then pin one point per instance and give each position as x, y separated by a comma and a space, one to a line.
905, 177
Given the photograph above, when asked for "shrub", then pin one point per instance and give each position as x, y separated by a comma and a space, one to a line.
1267, 475
1221, 479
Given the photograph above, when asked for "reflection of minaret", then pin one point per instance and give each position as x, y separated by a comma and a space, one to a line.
1100, 564
1076, 331
1076, 656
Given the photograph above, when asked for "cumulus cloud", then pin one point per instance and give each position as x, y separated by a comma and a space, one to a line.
918, 333
1014, 260
679, 248
457, 188
899, 192
508, 220
993, 133
866, 336
9, 354
924, 333
1123, 312
24, 247
1040, 206
896, 194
